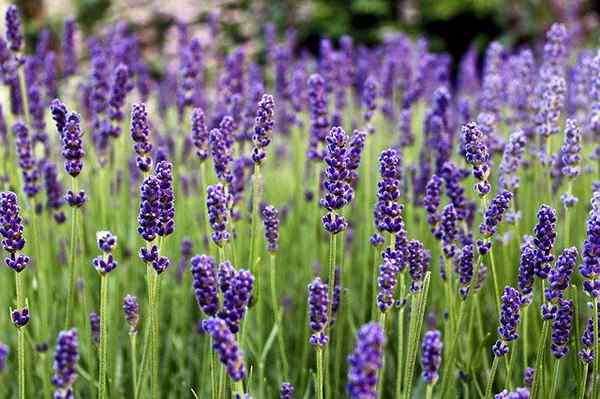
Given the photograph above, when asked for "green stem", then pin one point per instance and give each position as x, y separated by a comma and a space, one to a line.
596, 368
20, 335
133, 346
381, 372
103, 337
583, 382
238, 390
277, 314
495, 278
555, 379
145, 357
155, 335
429, 393
539, 361
320, 374
71, 270
490, 382
330, 286
254, 265
399, 367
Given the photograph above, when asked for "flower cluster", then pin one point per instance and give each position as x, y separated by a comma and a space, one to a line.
561, 328
11, 229
286, 391
270, 216
590, 268
26, 159
236, 299
204, 283
545, 235
218, 202
388, 212
106, 242
477, 154
200, 134
431, 202
65, 364
319, 121
509, 320
318, 303
418, 259
388, 279
227, 348
263, 127
493, 215
431, 355
140, 134
365, 362
131, 309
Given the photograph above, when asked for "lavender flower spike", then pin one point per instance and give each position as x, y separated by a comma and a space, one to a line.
140, 134
204, 283
200, 134
166, 199
131, 308
590, 267
318, 302
477, 154
106, 262
263, 128
432, 356
493, 215
270, 216
388, 212
236, 299
14, 31
70, 60
227, 348
4, 351
509, 320
519, 393
218, 203
65, 364
545, 235
561, 328
365, 362
11, 229
287, 391
571, 159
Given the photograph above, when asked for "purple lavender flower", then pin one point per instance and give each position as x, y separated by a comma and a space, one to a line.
452, 176
14, 31
519, 393
512, 159
465, 269
369, 100
140, 132
286, 391
220, 150
4, 351
106, 242
317, 97
270, 216
204, 283
418, 263
70, 59
431, 202
263, 128
545, 235
590, 268
365, 362
217, 201
72, 144
318, 303
166, 199
20, 318
528, 376
493, 215
509, 320
527, 266
117, 98
149, 208
95, 327
54, 191
227, 348
65, 364
449, 230
26, 160
131, 308
236, 299
388, 279
188, 88
477, 154
11, 229
432, 356
561, 328
560, 276
388, 212
356, 146
338, 192
200, 134
570, 150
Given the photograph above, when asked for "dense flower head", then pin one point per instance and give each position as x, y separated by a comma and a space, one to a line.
72, 144
11, 229
54, 190
319, 121
509, 320
431, 358
149, 208
69, 51
14, 30
365, 362
200, 133
286, 391
512, 158
236, 299
270, 216
140, 134
220, 150
493, 215
356, 145
338, 192
431, 202
418, 259
117, 97
65, 364
560, 276
131, 309
263, 127
204, 283
388, 279
519, 393
527, 266
318, 303
27, 161
104, 264
452, 176
166, 199
218, 202
227, 348
95, 327
477, 154
586, 354
465, 269
449, 230
20, 317
561, 328
545, 235
225, 274
590, 267
369, 98
570, 149
388, 212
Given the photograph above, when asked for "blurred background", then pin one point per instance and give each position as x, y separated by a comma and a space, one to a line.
450, 25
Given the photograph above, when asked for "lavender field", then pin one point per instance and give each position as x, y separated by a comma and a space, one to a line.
360, 223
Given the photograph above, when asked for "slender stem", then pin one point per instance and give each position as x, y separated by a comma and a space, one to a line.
71, 271
133, 346
555, 378
319, 387
254, 266
277, 315
381, 372
429, 393
399, 367
203, 185
103, 336
24, 95
525, 337
20, 335
238, 389
495, 278
490, 382
213, 383
331, 286
596, 368
508, 358
145, 357
539, 361
582, 384
155, 335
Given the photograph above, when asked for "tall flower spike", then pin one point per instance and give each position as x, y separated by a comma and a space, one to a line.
166, 199
477, 154
388, 280
388, 212
431, 356
218, 202
356, 147
519, 393
527, 267
11, 229
561, 329
509, 320
319, 120
365, 362
545, 235
226, 347
263, 128
200, 134
220, 150
204, 283
106, 242
149, 208
140, 134
590, 267
14, 31
286, 391
337, 191
131, 309
569, 155
236, 299
72, 145
27, 162
512, 158
116, 101
418, 259
65, 364
449, 230
270, 216
318, 303
70, 60
431, 202
560, 276
95, 327
493, 215
369, 100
